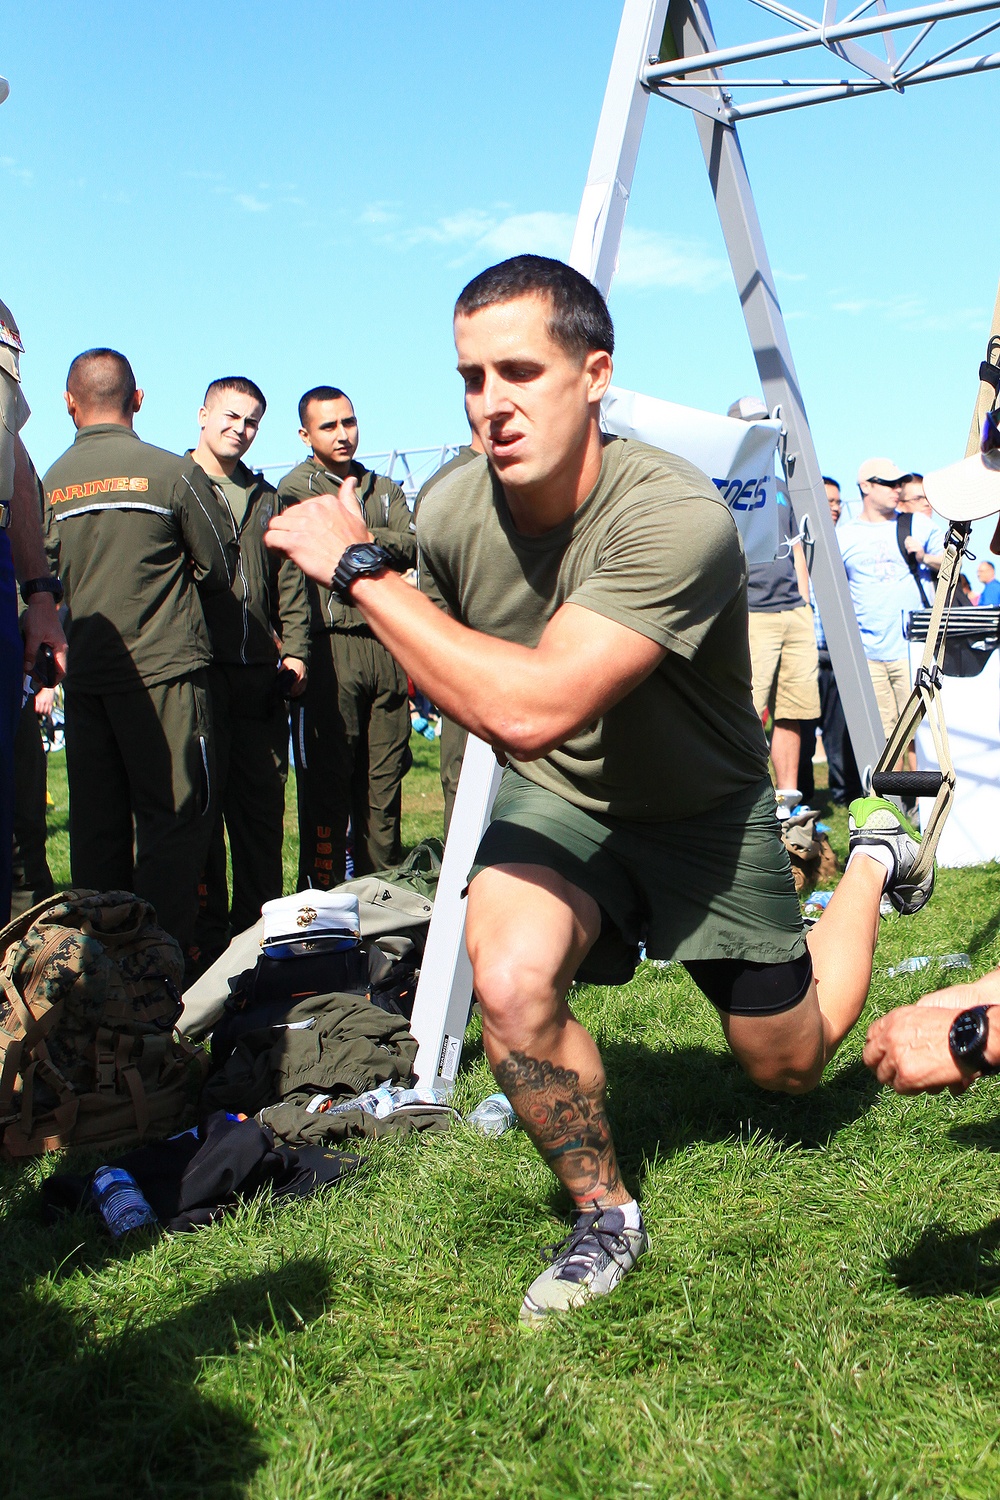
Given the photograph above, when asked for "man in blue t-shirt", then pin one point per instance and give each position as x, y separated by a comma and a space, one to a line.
989, 595
885, 585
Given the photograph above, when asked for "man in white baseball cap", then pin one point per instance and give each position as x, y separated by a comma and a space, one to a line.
891, 563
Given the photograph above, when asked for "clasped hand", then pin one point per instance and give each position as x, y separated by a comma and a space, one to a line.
316, 533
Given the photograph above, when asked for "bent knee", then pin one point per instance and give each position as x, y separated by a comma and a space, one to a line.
512, 994
784, 1077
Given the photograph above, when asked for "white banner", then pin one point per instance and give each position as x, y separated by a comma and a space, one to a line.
737, 456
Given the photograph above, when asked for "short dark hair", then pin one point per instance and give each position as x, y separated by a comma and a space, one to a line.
102, 379
914, 475
987, 564
828, 480
242, 385
580, 319
321, 393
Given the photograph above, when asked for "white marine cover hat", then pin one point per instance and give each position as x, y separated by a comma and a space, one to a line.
968, 490
309, 922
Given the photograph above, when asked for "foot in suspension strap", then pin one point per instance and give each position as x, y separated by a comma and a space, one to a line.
874, 821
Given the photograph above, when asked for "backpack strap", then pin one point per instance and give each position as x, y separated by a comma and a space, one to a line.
140, 1103
904, 528
105, 1061
9, 1076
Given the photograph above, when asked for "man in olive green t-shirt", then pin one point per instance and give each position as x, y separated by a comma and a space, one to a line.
599, 642
351, 727
453, 736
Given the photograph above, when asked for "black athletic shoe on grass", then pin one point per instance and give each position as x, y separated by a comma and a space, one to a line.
588, 1263
873, 820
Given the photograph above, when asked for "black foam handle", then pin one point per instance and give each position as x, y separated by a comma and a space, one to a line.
901, 783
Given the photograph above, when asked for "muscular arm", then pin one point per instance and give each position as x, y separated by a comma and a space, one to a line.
908, 1048
525, 700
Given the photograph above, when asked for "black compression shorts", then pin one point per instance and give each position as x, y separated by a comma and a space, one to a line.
746, 989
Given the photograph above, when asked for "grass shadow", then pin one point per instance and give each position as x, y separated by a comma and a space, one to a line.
981, 1135
80, 1398
984, 934
940, 1263
661, 1101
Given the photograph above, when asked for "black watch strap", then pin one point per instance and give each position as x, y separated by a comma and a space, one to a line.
363, 560
46, 585
967, 1040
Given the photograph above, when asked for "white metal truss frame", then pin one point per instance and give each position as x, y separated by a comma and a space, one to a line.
668, 48
672, 75
410, 467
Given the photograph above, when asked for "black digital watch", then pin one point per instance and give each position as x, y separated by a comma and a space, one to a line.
46, 585
363, 560
967, 1039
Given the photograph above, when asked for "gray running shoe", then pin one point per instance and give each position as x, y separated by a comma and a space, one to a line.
873, 820
588, 1263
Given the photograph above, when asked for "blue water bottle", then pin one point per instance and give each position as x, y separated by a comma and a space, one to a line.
116, 1197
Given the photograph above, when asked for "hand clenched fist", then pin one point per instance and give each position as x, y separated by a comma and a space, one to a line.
315, 533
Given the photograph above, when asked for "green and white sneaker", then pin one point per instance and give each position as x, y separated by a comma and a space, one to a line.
588, 1263
873, 820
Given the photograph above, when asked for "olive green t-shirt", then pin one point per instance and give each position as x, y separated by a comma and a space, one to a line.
655, 548
236, 491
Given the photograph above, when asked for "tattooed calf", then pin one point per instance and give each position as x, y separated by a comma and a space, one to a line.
567, 1124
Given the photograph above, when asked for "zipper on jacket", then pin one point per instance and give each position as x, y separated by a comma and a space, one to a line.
238, 535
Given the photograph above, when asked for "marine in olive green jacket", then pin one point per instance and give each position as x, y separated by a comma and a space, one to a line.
134, 534
387, 517
268, 596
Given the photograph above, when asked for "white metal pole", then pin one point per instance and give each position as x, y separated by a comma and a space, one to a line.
444, 990
616, 145
776, 368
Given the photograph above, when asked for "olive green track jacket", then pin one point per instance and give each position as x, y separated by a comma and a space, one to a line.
135, 535
268, 596
387, 517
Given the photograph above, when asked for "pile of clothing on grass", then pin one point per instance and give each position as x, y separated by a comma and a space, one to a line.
306, 1018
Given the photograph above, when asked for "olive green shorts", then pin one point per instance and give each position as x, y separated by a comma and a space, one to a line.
718, 885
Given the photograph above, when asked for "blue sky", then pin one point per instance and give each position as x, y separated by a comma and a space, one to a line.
298, 192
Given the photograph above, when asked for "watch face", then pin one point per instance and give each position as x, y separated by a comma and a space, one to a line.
365, 554
968, 1034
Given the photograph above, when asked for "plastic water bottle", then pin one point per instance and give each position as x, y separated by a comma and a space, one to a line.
923, 961
383, 1101
816, 905
116, 1196
494, 1116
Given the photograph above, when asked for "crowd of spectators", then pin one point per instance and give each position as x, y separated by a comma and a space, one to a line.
891, 546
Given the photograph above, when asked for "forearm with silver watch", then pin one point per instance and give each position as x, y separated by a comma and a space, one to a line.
971, 1046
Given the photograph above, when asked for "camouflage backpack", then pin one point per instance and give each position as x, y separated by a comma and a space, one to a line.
89, 994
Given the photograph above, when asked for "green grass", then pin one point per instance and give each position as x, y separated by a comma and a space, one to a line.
817, 1316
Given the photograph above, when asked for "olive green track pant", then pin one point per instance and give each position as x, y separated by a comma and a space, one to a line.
32, 877
351, 738
250, 724
141, 772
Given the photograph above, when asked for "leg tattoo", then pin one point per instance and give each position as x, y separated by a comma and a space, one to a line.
568, 1125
